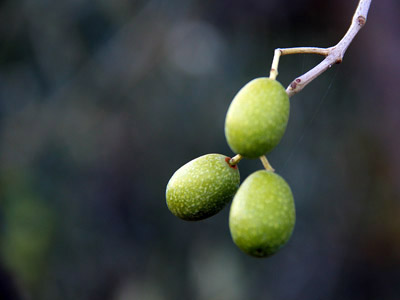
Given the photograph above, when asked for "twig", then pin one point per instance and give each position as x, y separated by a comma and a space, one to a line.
266, 164
235, 160
333, 55
286, 51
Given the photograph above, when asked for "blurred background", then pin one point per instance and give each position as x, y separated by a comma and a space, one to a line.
101, 101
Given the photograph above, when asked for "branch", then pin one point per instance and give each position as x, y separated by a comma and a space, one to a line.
333, 55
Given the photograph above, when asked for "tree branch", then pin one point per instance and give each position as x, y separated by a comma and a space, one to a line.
333, 55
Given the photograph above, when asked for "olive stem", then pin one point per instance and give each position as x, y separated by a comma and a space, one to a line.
235, 160
275, 62
266, 164
287, 51
333, 55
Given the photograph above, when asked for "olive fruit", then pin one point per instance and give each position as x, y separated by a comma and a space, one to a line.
202, 187
257, 117
262, 214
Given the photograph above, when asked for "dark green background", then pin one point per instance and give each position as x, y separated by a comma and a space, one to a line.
101, 101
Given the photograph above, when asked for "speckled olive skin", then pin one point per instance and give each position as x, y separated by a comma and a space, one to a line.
262, 215
257, 117
202, 187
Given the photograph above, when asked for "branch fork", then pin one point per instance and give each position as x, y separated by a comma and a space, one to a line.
333, 55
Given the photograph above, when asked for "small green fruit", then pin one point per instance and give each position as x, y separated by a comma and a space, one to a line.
202, 187
257, 117
262, 214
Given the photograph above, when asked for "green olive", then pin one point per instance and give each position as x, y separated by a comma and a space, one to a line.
257, 117
262, 215
202, 187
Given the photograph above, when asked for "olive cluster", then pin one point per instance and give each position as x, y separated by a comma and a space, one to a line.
262, 214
